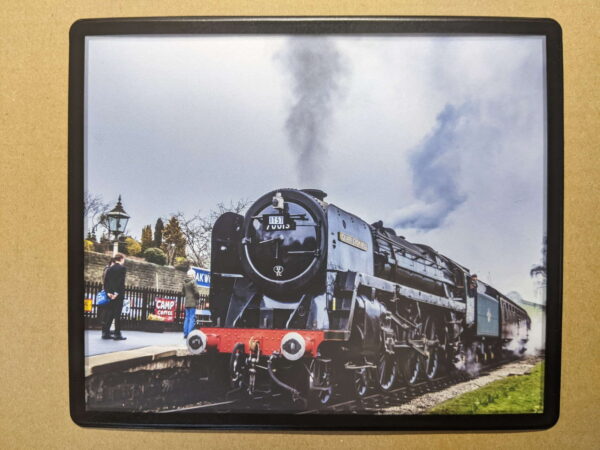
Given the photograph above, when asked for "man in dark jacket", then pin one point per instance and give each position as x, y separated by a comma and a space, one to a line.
114, 285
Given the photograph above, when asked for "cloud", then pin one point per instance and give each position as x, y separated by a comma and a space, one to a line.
435, 165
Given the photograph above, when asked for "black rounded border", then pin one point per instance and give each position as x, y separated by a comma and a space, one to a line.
548, 28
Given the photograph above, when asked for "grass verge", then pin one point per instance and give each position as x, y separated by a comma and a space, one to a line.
521, 394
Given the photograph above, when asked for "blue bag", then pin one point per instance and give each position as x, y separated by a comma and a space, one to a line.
102, 298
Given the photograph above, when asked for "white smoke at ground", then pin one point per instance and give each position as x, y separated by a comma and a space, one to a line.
537, 334
473, 368
516, 346
316, 68
527, 342
468, 363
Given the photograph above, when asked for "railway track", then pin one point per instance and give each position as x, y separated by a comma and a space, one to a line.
374, 403
370, 404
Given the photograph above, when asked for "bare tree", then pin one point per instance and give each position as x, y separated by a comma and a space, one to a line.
198, 230
94, 212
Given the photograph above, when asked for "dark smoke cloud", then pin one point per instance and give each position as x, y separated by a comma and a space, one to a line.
435, 165
315, 67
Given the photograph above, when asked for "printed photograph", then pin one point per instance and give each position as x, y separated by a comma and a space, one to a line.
315, 224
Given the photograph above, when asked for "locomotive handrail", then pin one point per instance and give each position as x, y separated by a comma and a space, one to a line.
403, 291
403, 262
227, 275
406, 247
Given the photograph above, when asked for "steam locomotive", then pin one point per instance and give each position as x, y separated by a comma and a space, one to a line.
310, 299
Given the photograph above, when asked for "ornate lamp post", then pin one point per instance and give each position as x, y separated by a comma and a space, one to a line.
117, 221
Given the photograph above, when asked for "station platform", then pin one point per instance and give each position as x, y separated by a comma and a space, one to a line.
103, 355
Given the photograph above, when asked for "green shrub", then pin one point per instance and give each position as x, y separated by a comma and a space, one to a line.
155, 255
88, 245
132, 247
182, 264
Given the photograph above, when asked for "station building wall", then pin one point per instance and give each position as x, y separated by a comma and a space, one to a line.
139, 273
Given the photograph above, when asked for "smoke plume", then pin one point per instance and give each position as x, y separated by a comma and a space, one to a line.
435, 165
315, 67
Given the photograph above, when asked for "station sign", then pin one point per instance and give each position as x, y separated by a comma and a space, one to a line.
202, 276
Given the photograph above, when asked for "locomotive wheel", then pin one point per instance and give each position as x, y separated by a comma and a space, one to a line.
412, 362
491, 353
412, 367
361, 382
433, 362
322, 376
387, 371
237, 366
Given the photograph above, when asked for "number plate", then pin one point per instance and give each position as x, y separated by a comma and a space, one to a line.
278, 222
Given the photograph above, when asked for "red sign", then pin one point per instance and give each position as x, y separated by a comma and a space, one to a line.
165, 308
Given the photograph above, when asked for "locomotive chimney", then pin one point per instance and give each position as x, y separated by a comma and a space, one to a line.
278, 202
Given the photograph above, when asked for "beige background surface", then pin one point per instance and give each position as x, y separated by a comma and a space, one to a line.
33, 226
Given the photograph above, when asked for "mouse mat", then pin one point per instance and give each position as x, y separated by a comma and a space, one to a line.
318, 223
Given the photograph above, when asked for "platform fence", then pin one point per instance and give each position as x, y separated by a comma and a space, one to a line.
143, 307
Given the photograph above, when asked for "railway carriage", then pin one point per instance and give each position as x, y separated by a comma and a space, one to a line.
311, 299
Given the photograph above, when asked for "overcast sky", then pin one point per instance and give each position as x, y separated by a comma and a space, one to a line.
442, 138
